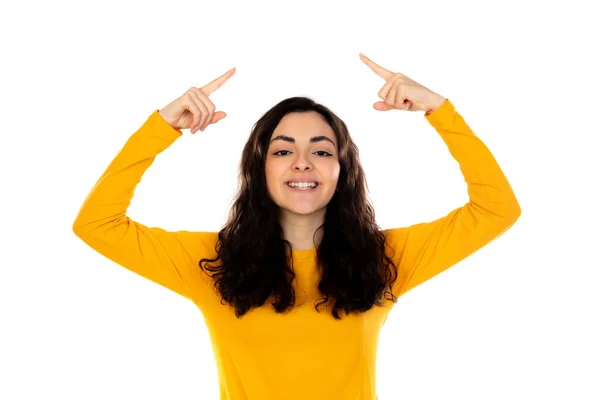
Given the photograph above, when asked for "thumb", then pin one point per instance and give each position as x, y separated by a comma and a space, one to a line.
217, 116
383, 106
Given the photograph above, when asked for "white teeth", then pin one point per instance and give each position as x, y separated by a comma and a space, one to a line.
302, 185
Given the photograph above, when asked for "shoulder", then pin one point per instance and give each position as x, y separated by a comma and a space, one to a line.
395, 236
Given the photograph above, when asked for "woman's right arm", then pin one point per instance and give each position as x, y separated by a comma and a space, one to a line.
167, 258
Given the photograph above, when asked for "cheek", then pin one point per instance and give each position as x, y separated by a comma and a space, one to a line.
334, 172
268, 176
272, 173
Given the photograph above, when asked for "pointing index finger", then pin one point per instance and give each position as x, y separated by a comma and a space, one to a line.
217, 83
378, 69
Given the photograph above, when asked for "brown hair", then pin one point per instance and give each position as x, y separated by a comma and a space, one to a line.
255, 258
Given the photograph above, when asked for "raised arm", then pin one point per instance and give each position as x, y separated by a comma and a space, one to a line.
424, 250
169, 259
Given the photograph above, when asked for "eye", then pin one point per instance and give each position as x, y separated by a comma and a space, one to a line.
326, 154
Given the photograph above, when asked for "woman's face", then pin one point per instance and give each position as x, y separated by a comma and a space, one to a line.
302, 149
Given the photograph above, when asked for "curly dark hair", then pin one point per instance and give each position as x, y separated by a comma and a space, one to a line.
255, 258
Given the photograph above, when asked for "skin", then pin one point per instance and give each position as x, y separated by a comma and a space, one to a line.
399, 92
300, 213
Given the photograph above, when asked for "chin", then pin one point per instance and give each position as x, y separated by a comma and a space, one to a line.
303, 210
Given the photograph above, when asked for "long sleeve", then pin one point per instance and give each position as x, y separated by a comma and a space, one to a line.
424, 250
166, 258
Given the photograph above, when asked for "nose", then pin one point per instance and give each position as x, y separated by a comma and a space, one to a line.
302, 164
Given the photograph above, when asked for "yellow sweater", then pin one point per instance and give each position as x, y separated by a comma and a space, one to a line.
303, 354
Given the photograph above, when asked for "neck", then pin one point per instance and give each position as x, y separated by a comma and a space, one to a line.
299, 229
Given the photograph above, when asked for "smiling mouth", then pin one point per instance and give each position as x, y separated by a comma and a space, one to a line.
303, 188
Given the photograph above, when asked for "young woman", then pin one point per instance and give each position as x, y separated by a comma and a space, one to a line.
297, 285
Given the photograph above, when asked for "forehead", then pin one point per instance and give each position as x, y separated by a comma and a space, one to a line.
304, 125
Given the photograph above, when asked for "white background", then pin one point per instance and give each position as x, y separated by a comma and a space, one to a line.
516, 320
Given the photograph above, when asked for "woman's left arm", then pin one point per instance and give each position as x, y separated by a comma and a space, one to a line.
423, 250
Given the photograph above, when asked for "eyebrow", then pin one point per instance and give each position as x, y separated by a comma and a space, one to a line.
313, 139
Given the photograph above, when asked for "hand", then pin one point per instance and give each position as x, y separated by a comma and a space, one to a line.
402, 93
194, 110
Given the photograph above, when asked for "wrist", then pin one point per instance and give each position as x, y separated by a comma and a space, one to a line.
438, 101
